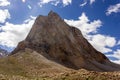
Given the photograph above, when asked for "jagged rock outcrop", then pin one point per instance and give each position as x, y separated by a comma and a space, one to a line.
64, 44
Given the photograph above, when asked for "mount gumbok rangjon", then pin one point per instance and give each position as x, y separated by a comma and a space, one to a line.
53, 50
62, 44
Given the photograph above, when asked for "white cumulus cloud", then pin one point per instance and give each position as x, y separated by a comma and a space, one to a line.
4, 14
102, 43
113, 9
85, 25
13, 33
55, 2
4, 3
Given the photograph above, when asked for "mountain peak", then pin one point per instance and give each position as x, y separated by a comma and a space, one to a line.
52, 13
54, 39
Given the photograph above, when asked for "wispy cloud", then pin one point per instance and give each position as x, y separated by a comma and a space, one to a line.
85, 2
113, 9
29, 7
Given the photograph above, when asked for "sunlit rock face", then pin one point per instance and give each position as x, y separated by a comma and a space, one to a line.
64, 44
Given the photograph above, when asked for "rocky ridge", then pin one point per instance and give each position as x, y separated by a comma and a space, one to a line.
57, 41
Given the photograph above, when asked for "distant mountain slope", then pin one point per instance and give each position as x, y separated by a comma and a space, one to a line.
3, 52
52, 38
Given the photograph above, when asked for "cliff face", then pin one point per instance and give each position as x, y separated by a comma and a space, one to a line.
64, 44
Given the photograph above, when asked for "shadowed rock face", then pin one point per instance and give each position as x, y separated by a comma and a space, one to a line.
64, 44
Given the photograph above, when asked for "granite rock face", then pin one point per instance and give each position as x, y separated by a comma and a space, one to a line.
64, 44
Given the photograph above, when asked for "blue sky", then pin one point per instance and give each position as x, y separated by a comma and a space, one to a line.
98, 20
